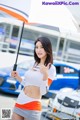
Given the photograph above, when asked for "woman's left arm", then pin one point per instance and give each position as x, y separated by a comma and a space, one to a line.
48, 76
52, 74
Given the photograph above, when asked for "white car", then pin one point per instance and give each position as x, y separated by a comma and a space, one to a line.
56, 102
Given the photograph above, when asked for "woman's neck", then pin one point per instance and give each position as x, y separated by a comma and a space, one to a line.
42, 61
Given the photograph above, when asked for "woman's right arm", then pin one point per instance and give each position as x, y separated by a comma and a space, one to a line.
15, 74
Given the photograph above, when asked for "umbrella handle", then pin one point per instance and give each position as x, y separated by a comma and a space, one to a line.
15, 66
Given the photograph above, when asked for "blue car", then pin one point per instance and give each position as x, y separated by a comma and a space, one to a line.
67, 76
9, 84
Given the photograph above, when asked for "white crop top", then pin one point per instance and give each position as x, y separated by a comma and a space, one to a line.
35, 78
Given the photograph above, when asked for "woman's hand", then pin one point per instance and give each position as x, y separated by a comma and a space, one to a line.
15, 74
44, 70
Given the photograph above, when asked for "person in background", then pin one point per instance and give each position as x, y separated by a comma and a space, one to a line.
36, 80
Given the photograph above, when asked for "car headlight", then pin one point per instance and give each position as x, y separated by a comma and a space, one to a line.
1, 81
11, 80
12, 83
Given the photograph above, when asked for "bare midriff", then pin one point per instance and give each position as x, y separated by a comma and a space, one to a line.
32, 91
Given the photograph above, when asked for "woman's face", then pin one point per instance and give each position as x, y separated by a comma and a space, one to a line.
41, 53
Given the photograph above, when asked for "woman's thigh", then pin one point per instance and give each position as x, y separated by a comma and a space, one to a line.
16, 117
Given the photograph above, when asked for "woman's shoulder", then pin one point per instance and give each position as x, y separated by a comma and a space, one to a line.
52, 67
52, 72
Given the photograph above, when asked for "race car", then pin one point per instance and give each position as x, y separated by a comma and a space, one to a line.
67, 76
65, 101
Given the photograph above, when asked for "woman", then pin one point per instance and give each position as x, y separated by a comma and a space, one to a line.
28, 105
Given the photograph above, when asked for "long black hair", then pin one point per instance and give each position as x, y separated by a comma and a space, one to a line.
46, 43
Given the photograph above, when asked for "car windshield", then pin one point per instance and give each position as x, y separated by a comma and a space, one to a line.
26, 64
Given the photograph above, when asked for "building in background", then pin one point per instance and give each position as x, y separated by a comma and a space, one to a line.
75, 11
55, 22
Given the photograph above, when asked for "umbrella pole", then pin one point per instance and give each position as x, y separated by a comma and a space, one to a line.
15, 65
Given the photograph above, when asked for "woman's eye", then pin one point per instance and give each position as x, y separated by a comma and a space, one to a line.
36, 47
